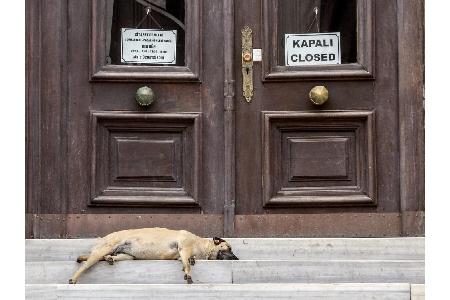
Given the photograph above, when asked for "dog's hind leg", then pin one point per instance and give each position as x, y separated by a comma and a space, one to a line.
118, 257
185, 255
96, 255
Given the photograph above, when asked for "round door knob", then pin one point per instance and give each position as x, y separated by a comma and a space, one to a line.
318, 95
247, 56
145, 96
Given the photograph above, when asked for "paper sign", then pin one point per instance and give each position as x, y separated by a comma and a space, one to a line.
313, 49
149, 46
257, 54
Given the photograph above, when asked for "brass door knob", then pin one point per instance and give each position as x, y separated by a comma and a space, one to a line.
145, 96
318, 95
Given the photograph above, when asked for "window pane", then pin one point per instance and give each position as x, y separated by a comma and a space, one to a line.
318, 16
133, 14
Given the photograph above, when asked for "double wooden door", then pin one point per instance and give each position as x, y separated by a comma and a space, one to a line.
202, 157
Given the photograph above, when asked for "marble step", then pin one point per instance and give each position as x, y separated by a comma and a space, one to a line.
344, 291
406, 248
242, 271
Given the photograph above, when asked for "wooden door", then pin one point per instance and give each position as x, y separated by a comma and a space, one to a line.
98, 161
201, 157
333, 169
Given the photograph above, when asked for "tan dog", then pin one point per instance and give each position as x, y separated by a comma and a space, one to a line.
155, 243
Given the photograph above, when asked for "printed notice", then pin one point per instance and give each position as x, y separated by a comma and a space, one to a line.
313, 49
149, 46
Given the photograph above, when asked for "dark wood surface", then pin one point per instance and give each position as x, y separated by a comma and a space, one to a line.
379, 96
60, 147
217, 154
411, 114
229, 118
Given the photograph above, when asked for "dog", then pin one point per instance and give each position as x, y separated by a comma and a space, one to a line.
155, 244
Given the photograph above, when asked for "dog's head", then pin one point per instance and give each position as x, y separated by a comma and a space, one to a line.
223, 250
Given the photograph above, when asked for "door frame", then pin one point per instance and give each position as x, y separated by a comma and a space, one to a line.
410, 220
229, 119
411, 86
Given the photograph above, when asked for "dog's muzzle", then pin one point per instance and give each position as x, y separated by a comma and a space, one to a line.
226, 255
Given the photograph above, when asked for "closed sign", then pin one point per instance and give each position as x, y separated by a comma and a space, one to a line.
312, 49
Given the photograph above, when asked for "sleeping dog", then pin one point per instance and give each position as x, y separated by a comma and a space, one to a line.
155, 243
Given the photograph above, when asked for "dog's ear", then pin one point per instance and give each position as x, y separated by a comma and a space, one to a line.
217, 240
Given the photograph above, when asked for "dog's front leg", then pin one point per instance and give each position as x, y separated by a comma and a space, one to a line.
185, 255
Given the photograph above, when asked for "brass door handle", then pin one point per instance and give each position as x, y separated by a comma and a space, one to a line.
318, 95
145, 96
247, 63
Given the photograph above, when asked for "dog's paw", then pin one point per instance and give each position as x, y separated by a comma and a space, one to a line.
109, 259
188, 279
71, 281
191, 260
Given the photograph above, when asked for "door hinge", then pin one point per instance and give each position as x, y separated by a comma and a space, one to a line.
228, 93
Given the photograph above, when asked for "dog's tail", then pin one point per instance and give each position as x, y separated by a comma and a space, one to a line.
82, 258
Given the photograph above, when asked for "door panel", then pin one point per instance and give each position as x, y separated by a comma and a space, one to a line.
296, 161
318, 158
123, 165
145, 159
145, 156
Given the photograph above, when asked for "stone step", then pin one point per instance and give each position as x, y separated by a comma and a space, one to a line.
263, 248
242, 271
354, 291
417, 291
